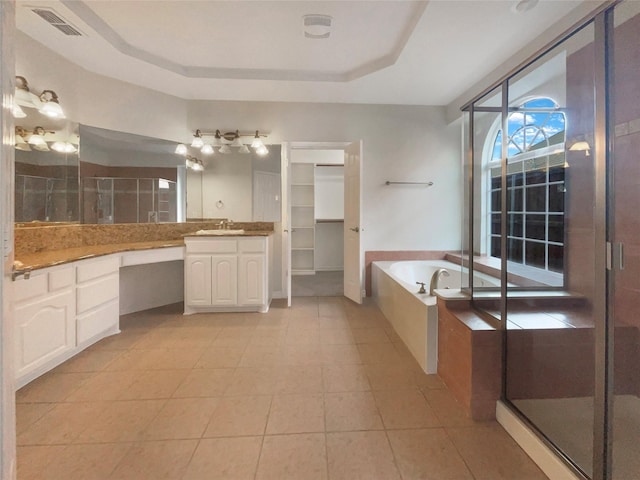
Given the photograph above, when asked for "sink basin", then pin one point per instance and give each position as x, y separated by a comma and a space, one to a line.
220, 232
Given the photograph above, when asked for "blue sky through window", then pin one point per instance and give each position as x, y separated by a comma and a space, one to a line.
532, 129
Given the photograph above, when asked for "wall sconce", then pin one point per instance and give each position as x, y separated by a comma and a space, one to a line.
39, 139
47, 102
21, 143
194, 163
224, 142
50, 104
581, 146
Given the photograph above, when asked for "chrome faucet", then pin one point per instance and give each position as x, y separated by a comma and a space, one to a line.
434, 279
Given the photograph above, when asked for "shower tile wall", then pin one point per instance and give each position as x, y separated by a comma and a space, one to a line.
626, 201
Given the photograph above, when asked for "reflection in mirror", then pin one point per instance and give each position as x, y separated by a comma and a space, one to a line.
237, 186
128, 178
46, 169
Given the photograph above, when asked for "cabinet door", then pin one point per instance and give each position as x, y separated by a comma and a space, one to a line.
45, 330
224, 280
197, 282
251, 280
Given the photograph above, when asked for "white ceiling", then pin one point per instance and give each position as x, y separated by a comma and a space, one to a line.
383, 52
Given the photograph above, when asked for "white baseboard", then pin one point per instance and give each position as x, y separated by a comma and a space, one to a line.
547, 461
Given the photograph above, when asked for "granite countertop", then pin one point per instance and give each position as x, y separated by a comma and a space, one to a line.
34, 261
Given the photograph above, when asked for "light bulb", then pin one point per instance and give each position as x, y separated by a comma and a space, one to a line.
236, 141
50, 106
257, 141
52, 110
197, 140
207, 149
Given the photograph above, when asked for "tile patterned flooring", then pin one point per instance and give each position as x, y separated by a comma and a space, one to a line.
323, 390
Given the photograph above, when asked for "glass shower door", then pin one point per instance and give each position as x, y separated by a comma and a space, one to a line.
624, 301
550, 247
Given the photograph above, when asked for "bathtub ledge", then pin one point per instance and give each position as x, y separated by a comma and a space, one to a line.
451, 294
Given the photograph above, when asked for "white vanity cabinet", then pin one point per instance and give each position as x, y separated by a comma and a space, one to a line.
45, 319
61, 310
227, 274
97, 298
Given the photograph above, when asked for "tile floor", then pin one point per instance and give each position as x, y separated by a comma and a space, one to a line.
322, 284
323, 390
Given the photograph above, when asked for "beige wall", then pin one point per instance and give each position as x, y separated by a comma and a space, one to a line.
400, 142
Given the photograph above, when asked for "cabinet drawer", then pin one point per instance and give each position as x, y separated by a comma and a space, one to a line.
90, 269
60, 278
217, 245
99, 320
253, 245
92, 294
35, 286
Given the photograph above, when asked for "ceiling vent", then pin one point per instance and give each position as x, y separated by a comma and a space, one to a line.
56, 21
317, 26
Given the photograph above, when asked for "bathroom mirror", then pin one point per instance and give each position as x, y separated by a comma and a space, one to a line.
240, 187
127, 178
46, 169
119, 177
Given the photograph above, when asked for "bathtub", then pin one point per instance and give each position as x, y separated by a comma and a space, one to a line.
414, 316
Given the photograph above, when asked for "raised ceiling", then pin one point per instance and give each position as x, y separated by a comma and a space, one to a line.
389, 52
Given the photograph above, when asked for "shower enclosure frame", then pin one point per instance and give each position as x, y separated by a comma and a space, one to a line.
602, 20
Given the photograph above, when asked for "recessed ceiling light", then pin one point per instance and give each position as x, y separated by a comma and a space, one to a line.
524, 6
317, 26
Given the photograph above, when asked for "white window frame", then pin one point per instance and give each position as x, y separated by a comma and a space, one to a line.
544, 276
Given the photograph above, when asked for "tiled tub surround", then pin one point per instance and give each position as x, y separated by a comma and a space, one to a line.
470, 346
43, 246
414, 316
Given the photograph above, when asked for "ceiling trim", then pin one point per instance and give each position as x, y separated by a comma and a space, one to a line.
102, 28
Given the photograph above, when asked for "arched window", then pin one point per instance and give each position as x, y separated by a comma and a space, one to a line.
535, 183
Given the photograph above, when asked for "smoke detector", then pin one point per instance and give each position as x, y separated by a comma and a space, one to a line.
524, 6
317, 26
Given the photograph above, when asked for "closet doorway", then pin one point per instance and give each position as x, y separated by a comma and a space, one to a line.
316, 207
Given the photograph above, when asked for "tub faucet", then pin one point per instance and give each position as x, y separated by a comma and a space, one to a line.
434, 279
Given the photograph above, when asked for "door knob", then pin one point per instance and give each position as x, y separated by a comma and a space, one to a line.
355, 229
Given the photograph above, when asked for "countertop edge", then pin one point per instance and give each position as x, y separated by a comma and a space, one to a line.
38, 261
41, 260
